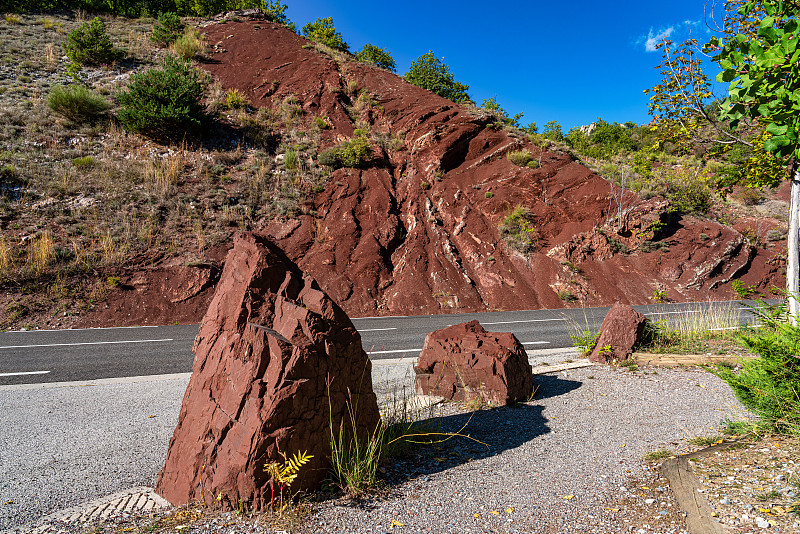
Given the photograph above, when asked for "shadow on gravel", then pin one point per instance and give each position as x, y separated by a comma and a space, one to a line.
499, 430
548, 386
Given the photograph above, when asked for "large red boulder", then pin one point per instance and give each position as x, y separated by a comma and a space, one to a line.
464, 361
273, 351
620, 331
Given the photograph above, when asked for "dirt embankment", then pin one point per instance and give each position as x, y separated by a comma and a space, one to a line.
418, 229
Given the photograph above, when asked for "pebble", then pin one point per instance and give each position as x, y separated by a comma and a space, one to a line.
761, 522
649, 501
724, 500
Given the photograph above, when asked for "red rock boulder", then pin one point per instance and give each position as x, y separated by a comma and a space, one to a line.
272, 352
621, 329
464, 361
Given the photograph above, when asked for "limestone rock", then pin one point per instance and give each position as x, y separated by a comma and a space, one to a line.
273, 349
465, 361
619, 332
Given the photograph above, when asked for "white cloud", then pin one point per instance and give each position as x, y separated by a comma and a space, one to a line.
654, 39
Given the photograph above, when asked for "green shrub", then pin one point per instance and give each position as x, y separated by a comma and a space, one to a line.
494, 107
770, 384
276, 12
431, 73
165, 103
518, 230
566, 296
189, 45
520, 157
168, 28
380, 57
90, 44
321, 123
356, 152
552, 131
77, 103
323, 31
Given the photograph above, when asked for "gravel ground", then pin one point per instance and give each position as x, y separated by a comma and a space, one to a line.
754, 486
63, 445
568, 461
552, 463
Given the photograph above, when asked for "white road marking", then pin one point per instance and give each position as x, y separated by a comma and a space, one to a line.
527, 321
419, 350
673, 312
87, 343
377, 329
25, 373
82, 329
383, 317
393, 351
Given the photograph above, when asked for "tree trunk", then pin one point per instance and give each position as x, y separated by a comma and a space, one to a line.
793, 250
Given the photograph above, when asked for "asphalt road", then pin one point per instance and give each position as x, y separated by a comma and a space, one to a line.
70, 355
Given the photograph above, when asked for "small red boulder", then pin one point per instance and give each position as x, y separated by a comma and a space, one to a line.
464, 361
621, 329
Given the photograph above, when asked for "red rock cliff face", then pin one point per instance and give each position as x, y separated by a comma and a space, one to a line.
417, 231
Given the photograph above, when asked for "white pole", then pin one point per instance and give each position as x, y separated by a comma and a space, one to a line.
793, 250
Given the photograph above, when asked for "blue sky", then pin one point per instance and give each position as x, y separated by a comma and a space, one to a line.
570, 62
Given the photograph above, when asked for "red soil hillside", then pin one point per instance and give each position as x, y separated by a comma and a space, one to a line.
417, 232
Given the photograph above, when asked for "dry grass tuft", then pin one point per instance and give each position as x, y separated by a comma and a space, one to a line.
41, 253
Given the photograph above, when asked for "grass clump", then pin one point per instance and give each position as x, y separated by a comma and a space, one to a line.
77, 103
770, 384
90, 44
189, 45
167, 29
518, 231
356, 152
520, 158
84, 163
234, 99
660, 454
692, 331
165, 103
704, 441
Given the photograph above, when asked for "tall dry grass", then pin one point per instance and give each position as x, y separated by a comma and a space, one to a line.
163, 173
41, 253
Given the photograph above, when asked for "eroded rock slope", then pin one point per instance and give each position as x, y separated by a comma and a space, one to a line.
417, 230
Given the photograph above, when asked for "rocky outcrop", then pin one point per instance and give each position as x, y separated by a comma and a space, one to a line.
464, 361
417, 229
621, 329
273, 353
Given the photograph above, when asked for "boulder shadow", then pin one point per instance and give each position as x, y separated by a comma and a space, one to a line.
474, 435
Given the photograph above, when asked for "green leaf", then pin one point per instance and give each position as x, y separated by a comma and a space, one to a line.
777, 129
726, 75
776, 144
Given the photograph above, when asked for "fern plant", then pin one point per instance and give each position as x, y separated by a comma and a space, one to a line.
284, 474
